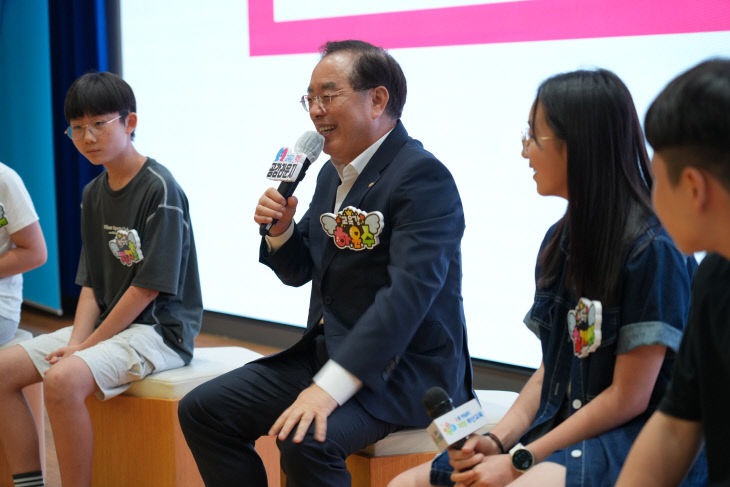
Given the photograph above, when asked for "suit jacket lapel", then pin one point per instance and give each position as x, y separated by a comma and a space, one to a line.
365, 181
323, 202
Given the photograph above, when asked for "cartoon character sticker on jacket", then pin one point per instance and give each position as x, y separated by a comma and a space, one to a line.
352, 228
584, 327
126, 247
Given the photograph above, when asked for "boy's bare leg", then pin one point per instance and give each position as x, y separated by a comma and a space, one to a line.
18, 433
67, 385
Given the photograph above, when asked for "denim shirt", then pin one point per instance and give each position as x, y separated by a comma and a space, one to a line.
652, 310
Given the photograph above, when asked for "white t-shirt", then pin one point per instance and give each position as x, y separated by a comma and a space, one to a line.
16, 213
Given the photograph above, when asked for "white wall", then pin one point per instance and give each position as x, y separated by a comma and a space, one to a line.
217, 117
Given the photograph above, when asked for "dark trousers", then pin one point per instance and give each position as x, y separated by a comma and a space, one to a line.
221, 419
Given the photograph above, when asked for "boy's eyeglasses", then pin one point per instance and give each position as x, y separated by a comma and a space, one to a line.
77, 132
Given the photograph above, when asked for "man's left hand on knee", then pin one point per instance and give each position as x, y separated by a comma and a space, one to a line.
312, 404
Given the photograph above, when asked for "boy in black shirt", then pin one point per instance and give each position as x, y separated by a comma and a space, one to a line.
689, 127
140, 306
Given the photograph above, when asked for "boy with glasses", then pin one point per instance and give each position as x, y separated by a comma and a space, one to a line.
689, 127
140, 306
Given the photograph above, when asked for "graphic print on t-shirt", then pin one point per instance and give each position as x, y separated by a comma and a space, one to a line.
125, 245
3, 219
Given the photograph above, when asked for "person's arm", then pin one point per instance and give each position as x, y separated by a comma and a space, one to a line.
272, 205
510, 428
628, 396
130, 305
522, 413
663, 452
285, 249
313, 404
29, 252
331, 383
479, 460
87, 312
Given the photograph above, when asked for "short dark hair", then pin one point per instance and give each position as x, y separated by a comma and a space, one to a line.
609, 184
689, 122
97, 94
374, 67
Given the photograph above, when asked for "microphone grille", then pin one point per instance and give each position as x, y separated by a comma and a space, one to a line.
311, 144
437, 402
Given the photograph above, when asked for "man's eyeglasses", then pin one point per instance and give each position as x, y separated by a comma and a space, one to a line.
77, 132
323, 101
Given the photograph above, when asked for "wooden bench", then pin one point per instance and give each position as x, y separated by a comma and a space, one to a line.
379, 463
138, 441
34, 396
137, 436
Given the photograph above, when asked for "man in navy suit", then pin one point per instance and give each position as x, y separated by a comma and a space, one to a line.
380, 244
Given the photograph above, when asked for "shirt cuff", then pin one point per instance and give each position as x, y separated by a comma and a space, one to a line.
648, 333
337, 382
275, 243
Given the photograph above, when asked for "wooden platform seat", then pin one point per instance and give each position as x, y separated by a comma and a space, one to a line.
34, 396
137, 436
377, 464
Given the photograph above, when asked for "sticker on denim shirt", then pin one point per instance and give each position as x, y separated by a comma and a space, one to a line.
126, 246
584, 327
352, 228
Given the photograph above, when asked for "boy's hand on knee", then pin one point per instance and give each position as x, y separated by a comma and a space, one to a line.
312, 404
62, 352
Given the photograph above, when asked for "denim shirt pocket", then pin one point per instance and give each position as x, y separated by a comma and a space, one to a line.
539, 318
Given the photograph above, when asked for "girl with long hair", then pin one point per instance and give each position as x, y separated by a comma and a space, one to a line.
612, 296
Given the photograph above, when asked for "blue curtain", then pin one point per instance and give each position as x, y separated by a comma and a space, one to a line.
26, 135
84, 36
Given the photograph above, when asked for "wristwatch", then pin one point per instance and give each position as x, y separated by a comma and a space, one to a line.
522, 458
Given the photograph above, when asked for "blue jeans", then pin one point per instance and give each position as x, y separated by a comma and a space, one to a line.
441, 470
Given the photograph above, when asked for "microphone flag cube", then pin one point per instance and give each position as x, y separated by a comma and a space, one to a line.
457, 424
286, 166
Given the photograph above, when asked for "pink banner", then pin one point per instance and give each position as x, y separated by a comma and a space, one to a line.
533, 20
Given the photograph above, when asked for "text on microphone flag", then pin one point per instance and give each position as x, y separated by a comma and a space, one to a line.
457, 424
286, 166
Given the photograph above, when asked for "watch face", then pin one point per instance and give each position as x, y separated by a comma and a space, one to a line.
522, 459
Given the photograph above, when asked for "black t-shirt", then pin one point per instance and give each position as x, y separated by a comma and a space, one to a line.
141, 236
700, 387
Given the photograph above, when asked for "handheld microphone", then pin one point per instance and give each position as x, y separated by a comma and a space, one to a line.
290, 167
451, 426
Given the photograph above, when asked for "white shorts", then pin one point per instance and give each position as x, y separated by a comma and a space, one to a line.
130, 355
8, 328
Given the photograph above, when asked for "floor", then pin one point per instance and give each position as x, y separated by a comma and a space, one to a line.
39, 322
